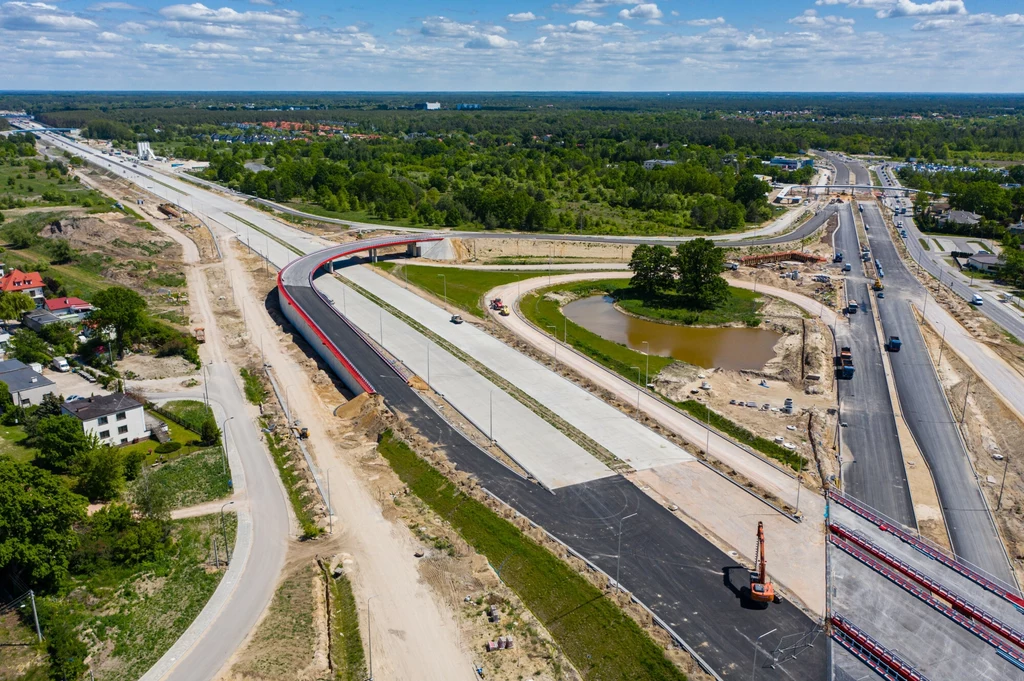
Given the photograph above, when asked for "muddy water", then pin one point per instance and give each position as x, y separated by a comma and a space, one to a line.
728, 347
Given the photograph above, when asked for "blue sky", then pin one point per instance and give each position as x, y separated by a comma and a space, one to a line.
785, 45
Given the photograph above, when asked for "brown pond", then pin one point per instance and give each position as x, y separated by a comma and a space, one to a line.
726, 347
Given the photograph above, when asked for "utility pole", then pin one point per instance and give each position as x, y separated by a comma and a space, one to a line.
224, 531
216, 556
647, 369
369, 634
444, 279
35, 615
963, 414
1006, 463
330, 504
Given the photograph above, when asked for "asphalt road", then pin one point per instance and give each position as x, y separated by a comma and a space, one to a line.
971, 529
876, 475
951, 278
690, 583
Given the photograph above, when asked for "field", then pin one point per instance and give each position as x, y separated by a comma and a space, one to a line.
11, 438
27, 183
741, 307
592, 631
192, 478
185, 437
465, 288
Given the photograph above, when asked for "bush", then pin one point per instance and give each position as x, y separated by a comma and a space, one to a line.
167, 447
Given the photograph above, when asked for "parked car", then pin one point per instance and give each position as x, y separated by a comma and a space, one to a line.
456, 319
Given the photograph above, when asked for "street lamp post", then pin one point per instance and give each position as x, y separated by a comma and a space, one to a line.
647, 368
225, 443
637, 391
618, 552
753, 665
223, 530
554, 332
490, 411
1006, 463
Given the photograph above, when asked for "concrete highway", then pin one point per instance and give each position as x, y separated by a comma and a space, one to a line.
950, 277
876, 475
685, 579
927, 413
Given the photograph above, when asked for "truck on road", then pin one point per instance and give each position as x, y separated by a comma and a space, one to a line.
851, 306
844, 363
894, 344
200, 334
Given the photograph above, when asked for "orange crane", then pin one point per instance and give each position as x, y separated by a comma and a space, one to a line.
761, 589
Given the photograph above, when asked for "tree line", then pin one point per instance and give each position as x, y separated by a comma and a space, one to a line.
693, 271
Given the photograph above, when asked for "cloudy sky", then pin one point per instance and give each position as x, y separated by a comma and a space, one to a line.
781, 45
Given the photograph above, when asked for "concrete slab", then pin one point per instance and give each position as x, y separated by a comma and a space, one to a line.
551, 457
938, 647
946, 245
627, 439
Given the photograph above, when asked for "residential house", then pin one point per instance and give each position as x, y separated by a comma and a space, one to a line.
657, 163
1017, 228
115, 419
985, 262
429, 106
37, 319
26, 385
963, 217
70, 310
29, 283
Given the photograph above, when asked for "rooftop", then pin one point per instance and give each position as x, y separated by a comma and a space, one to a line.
16, 280
60, 304
90, 408
19, 377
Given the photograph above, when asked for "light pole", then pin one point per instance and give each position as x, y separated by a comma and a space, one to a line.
647, 368
637, 391
490, 411
753, 665
618, 552
380, 317
225, 443
1006, 463
223, 530
444, 280
554, 332
369, 634
330, 503
428, 363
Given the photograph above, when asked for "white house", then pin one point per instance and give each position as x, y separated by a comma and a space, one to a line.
657, 163
115, 419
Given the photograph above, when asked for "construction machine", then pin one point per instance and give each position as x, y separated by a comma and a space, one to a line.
761, 589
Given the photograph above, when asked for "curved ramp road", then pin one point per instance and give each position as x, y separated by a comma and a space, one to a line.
688, 582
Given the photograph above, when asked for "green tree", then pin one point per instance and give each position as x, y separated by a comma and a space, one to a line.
66, 650
153, 499
652, 268
6, 400
61, 441
209, 433
699, 264
101, 473
28, 347
14, 304
61, 336
60, 251
37, 516
121, 308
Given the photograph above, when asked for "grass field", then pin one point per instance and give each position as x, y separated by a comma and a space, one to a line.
191, 479
191, 413
620, 359
465, 288
20, 183
184, 436
11, 438
592, 631
741, 306
135, 616
349, 659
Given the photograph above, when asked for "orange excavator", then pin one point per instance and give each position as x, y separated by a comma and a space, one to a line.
761, 589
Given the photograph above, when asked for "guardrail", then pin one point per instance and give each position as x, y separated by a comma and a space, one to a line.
869, 651
970, 572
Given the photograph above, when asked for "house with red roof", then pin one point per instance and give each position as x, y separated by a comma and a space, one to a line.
68, 309
29, 283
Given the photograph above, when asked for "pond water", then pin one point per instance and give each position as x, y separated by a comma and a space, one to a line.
726, 347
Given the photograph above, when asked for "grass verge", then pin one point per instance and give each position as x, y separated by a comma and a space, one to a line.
255, 391
347, 645
190, 413
294, 485
737, 432
463, 288
192, 479
592, 631
924, 244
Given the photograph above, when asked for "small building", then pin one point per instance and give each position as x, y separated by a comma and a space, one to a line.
115, 419
963, 217
143, 151
69, 310
37, 319
29, 283
466, 107
26, 385
1017, 228
985, 262
791, 163
657, 163
429, 106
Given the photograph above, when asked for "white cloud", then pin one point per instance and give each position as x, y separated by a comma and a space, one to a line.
109, 37
810, 18
521, 16
590, 8
132, 27
717, 21
909, 8
225, 15
39, 16
213, 47
490, 42
980, 19
645, 10
104, 6
266, 3
442, 27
